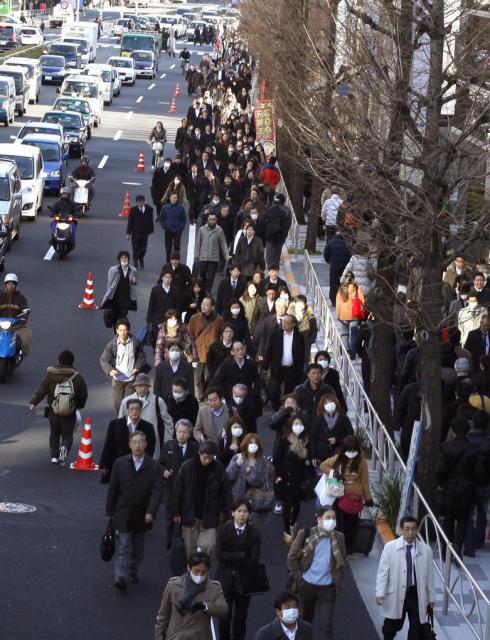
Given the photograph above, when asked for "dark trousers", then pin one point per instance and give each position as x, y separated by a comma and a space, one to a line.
236, 617
335, 275
61, 432
347, 524
287, 376
392, 626
330, 232
477, 524
139, 244
172, 242
291, 505
323, 597
207, 272
455, 524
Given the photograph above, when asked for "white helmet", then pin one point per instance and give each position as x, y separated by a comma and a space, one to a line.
11, 277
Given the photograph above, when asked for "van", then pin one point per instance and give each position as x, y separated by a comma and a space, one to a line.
10, 206
90, 88
104, 72
21, 79
8, 36
83, 47
68, 50
29, 161
33, 67
7, 100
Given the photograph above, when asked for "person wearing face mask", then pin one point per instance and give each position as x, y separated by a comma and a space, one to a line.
162, 177
249, 468
247, 405
470, 317
350, 466
234, 315
176, 186
230, 440
173, 454
173, 362
249, 251
120, 296
329, 428
317, 562
163, 297
307, 323
181, 403
210, 244
173, 333
190, 602
238, 553
292, 462
287, 625
237, 369
462, 289
250, 301
330, 376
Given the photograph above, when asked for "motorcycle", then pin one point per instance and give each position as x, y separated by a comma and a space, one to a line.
157, 149
80, 195
63, 234
10, 352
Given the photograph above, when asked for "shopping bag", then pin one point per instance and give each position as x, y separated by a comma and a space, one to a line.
324, 498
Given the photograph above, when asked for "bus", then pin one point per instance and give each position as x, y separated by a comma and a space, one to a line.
139, 41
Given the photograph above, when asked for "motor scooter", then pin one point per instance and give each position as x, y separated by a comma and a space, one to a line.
63, 234
10, 349
80, 195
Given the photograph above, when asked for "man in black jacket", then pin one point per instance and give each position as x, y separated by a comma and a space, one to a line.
236, 369
273, 278
167, 371
337, 255
133, 499
181, 274
162, 177
201, 496
116, 443
163, 297
285, 358
230, 288
194, 185
246, 405
139, 228
182, 404
478, 342
275, 226
310, 392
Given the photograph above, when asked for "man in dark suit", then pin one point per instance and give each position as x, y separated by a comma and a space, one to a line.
193, 187
167, 371
230, 288
478, 342
266, 328
287, 612
172, 456
274, 279
246, 405
285, 359
116, 442
181, 274
133, 499
237, 369
140, 226
162, 177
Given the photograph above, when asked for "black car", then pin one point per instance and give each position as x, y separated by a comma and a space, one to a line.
74, 126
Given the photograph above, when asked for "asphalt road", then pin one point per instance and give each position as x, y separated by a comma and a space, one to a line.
52, 581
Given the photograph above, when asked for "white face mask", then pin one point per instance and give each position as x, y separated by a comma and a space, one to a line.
254, 216
290, 615
236, 431
324, 364
252, 447
237, 400
351, 454
172, 322
235, 311
328, 524
174, 355
177, 396
472, 305
124, 264
463, 296
330, 407
177, 181
197, 579
298, 429
285, 298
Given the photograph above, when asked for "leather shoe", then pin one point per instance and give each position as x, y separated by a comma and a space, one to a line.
142, 264
133, 577
121, 585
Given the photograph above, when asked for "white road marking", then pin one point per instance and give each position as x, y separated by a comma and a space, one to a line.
128, 115
163, 75
190, 246
163, 102
102, 162
133, 184
151, 87
49, 254
172, 66
139, 99
117, 135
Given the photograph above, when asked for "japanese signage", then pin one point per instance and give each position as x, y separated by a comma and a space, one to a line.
265, 126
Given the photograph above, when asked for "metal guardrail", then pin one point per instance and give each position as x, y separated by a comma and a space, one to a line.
293, 239
459, 587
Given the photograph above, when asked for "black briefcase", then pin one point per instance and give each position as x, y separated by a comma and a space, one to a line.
108, 542
178, 556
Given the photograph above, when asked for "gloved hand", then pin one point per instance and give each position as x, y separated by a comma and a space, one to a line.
198, 606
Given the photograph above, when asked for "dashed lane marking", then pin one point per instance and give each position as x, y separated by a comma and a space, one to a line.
133, 184
151, 87
118, 134
172, 66
103, 162
163, 75
128, 115
139, 99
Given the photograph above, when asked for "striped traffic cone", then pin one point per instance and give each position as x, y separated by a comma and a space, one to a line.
84, 461
173, 108
177, 90
88, 301
126, 206
141, 162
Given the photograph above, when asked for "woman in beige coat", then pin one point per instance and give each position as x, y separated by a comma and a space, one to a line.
348, 291
189, 602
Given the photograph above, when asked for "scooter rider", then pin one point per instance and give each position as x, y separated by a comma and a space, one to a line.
65, 208
84, 172
12, 305
185, 56
157, 135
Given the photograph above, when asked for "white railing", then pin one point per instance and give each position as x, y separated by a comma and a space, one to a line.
293, 239
459, 587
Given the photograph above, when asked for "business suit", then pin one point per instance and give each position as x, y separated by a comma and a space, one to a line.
274, 631
474, 343
116, 442
194, 186
204, 424
289, 376
139, 227
236, 553
227, 292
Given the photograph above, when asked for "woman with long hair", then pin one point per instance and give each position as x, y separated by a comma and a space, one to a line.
248, 469
194, 299
230, 440
348, 292
171, 332
329, 428
249, 300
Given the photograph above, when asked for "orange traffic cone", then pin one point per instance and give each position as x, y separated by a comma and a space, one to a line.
141, 162
84, 461
88, 301
172, 107
126, 206
177, 90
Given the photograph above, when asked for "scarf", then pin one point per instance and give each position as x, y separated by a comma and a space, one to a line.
191, 590
331, 420
314, 539
297, 446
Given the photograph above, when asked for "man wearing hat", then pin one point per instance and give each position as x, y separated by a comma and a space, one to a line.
154, 410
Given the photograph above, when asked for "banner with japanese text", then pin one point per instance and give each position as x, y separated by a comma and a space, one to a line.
265, 126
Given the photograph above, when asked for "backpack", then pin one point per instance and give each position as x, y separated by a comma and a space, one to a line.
64, 397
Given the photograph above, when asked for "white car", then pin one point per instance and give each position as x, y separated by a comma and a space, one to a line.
141, 4
176, 22
31, 35
125, 69
121, 26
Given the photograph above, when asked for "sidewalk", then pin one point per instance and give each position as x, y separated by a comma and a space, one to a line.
451, 626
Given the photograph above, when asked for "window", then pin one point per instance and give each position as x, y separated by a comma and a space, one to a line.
24, 164
4, 189
49, 152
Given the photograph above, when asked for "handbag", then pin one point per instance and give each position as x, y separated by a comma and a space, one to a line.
427, 628
142, 334
261, 499
358, 311
252, 581
351, 503
108, 317
108, 542
178, 557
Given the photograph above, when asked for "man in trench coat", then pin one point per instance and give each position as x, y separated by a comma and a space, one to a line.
139, 228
